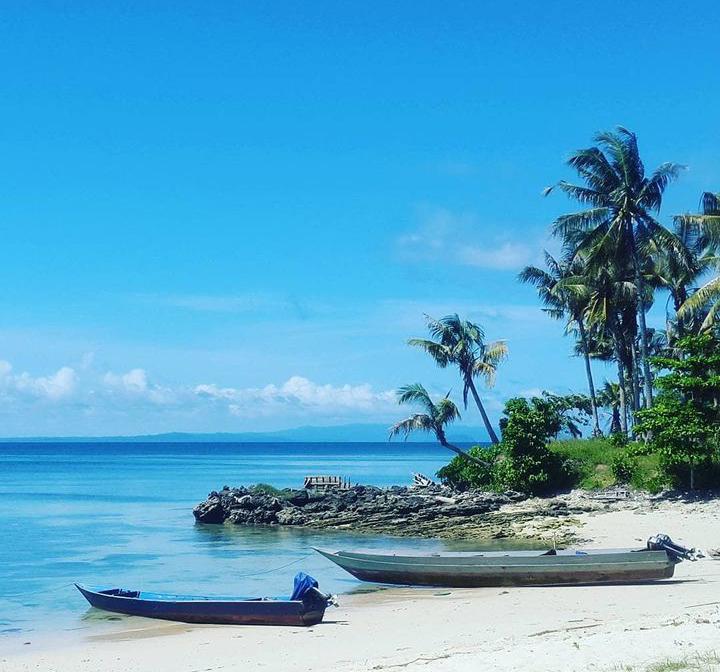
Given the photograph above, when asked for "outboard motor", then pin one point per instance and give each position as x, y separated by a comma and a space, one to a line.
677, 553
306, 589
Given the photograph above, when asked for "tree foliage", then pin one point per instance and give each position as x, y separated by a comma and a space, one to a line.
522, 460
683, 426
461, 343
434, 419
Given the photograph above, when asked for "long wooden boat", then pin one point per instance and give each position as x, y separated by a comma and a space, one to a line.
512, 568
305, 607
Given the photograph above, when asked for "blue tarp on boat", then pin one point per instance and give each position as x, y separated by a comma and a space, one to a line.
303, 583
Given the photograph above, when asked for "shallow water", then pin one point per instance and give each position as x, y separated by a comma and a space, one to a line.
109, 514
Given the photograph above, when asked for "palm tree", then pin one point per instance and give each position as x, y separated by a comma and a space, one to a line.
433, 420
705, 302
462, 343
609, 313
673, 274
619, 223
562, 303
609, 397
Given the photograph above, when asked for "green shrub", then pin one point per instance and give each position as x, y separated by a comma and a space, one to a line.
528, 465
624, 467
522, 460
677, 473
619, 439
525, 461
462, 474
683, 422
267, 489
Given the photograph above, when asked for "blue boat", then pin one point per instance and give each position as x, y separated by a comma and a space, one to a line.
306, 606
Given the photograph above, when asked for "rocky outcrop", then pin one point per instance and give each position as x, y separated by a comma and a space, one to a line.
432, 511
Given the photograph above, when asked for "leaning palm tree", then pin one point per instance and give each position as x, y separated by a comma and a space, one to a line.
619, 223
462, 343
433, 420
678, 277
563, 303
705, 302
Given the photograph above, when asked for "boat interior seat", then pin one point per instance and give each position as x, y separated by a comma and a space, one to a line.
121, 592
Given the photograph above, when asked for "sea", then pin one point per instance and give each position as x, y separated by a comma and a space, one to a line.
120, 514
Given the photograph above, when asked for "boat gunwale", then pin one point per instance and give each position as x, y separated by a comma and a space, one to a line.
491, 555
209, 600
475, 568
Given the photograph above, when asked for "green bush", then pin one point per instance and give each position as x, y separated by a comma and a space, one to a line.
579, 463
624, 467
522, 460
462, 474
267, 489
682, 424
677, 473
528, 465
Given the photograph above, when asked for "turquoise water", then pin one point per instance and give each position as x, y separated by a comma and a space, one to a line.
121, 514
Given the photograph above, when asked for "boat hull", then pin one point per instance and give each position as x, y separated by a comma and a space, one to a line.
305, 612
497, 569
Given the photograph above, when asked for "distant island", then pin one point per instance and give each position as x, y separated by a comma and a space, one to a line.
350, 433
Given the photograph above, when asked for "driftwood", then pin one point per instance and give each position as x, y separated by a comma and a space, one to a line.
422, 481
326, 483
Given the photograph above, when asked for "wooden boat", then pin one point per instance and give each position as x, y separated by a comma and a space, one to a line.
514, 568
306, 606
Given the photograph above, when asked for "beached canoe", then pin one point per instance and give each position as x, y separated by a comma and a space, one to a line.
514, 568
306, 606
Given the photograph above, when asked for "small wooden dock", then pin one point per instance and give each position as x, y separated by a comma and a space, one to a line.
326, 483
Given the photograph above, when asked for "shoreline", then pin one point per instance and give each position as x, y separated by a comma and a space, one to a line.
444, 630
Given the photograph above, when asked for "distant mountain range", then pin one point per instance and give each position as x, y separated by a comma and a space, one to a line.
334, 434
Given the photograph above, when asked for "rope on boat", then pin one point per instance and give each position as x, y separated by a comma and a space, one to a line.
18, 597
14, 597
276, 569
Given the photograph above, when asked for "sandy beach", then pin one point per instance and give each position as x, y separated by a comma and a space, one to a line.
443, 630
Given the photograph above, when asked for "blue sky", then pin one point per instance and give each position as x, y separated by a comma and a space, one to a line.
230, 216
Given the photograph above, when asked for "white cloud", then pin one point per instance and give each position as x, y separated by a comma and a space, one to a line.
57, 386
505, 256
443, 236
135, 383
214, 392
132, 381
298, 393
531, 392
134, 393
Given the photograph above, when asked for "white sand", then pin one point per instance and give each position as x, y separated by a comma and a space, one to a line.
436, 630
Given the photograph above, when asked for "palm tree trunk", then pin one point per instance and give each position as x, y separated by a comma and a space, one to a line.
623, 398
639, 286
588, 371
692, 474
617, 351
634, 382
481, 408
621, 394
459, 451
